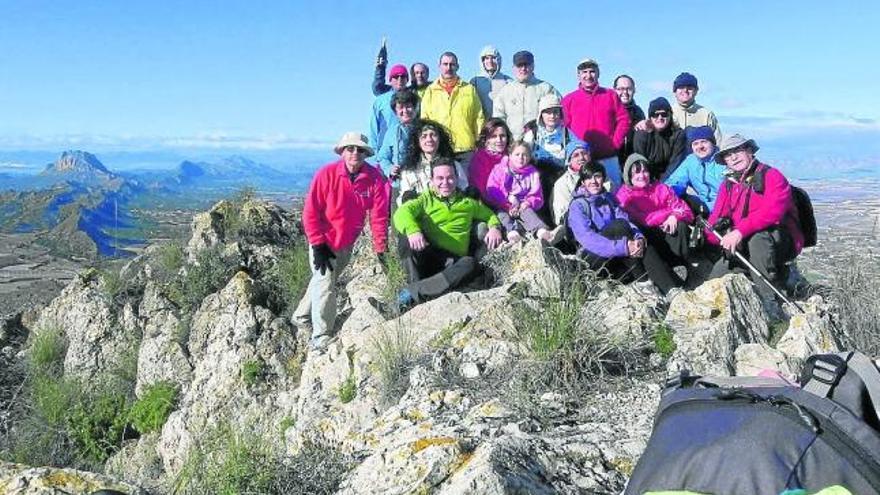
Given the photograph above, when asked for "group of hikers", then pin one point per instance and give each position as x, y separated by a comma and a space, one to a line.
475, 166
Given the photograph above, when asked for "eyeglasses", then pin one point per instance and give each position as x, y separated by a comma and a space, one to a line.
354, 149
399, 76
659, 115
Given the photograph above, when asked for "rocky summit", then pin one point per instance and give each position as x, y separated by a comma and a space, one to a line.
540, 379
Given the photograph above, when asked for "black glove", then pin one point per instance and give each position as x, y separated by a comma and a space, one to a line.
322, 255
472, 192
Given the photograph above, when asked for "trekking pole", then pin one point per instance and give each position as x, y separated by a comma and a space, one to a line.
752, 267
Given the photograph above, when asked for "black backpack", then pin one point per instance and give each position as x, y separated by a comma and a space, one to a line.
754, 435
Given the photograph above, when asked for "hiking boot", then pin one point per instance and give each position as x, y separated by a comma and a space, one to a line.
319, 343
405, 300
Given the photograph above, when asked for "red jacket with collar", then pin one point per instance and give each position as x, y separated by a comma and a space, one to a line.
598, 117
770, 208
336, 207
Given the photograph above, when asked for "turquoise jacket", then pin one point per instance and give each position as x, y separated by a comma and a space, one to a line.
703, 176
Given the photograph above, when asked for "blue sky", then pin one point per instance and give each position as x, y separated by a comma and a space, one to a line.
265, 75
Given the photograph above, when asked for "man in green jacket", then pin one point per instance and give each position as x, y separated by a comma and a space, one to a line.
438, 226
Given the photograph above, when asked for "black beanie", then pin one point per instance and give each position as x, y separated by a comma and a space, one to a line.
659, 104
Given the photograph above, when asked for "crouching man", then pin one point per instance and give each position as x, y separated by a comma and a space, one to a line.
438, 225
755, 214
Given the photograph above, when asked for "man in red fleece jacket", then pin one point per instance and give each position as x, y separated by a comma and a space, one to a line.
762, 220
596, 115
333, 217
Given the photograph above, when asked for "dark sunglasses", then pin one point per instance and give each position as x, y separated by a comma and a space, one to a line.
400, 76
657, 115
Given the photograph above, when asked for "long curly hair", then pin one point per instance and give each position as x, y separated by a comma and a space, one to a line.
413, 152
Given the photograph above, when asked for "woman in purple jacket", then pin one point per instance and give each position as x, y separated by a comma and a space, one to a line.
608, 241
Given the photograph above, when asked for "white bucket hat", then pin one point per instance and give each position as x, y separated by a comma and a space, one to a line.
731, 143
353, 139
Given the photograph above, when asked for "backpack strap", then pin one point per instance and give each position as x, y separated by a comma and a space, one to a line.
827, 370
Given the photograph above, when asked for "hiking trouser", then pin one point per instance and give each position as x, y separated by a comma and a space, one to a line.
434, 271
628, 269
769, 251
528, 221
549, 173
672, 248
319, 302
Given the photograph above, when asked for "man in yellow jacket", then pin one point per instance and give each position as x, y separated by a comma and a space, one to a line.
455, 104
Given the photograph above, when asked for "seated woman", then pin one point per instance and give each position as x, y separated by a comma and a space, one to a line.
492, 145
431, 142
663, 143
608, 241
514, 190
660, 214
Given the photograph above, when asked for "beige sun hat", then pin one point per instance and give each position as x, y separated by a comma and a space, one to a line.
731, 143
548, 101
353, 139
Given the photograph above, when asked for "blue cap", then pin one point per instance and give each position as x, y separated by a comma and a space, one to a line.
685, 79
573, 145
701, 132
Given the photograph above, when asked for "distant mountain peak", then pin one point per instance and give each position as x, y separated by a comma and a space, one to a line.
79, 163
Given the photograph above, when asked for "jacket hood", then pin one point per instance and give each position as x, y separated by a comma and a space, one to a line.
632, 160
489, 50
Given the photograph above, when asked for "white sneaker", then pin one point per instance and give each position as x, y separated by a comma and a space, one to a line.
513, 237
673, 293
552, 237
319, 343
645, 288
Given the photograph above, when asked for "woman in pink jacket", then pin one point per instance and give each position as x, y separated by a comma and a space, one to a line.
492, 147
660, 214
514, 191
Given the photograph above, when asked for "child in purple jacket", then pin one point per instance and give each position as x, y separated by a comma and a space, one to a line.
514, 191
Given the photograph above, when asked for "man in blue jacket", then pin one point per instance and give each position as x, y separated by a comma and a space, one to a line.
699, 171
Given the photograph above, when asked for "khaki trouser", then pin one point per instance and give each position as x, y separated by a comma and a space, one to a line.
319, 302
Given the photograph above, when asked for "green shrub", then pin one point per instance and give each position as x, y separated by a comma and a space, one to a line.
233, 462
47, 351
234, 224
252, 371
209, 274
395, 278
227, 462
854, 289
169, 258
567, 348
664, 343
96, 424
347, 389
288, 279
150, 412
395, 354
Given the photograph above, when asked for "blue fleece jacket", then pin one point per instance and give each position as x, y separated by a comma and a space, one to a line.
381, 119
393, 146
703, 176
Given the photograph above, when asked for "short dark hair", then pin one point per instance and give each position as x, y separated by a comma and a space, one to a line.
448, 54
444, 161
404, 97
633, 81
589, 169
489, 127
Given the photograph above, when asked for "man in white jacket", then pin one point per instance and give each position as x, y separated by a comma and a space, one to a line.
518, 101
490, 79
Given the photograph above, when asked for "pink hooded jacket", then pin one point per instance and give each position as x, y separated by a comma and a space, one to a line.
597, 117
652, 205
506, 183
